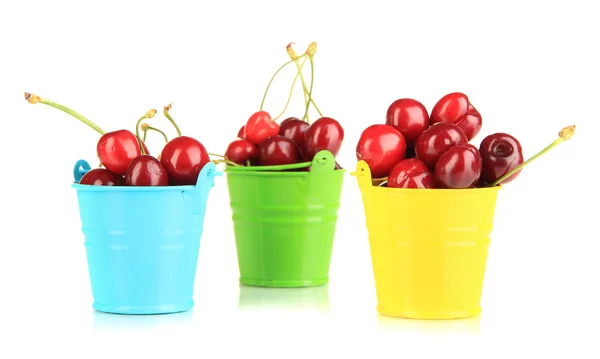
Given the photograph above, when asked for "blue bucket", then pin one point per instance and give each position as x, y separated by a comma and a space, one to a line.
142, 243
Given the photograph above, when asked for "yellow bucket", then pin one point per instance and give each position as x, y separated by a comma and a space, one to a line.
428, 247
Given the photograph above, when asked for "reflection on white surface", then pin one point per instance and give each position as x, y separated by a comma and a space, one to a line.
284, 298
456, 326
112, 321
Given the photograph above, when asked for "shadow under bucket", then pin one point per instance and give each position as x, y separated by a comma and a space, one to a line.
428, 247
142, 243
284, 222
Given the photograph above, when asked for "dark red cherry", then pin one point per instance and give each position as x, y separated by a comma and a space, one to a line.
411, 173
381, 146
500, 153
183, 157
455, 108
146, 170
294, 129
116, 150
409, 117
101, 177
435, 140
323, 134
458, 167
278, 150
259, 127
240, 151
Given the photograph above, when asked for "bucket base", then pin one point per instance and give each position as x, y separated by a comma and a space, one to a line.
415, 314
283, 283
158, 309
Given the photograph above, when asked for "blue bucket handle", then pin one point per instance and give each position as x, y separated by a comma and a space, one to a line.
80, 169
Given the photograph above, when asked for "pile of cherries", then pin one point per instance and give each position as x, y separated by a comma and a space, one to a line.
264, 142
415, 149
126, 160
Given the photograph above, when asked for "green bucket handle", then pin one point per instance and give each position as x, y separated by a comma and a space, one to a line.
323, 161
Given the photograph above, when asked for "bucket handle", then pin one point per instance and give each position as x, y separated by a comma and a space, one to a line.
207, 174
363, 177
322, 162
81, 168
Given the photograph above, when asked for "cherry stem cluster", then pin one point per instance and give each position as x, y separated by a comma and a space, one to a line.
307, 90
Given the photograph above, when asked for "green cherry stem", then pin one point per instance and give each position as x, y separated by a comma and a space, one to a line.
564, 135
146, 127
215, 155
271, 81
225, 161
312, 48
148, 114
33, 99
312, 78
290, 94
166, 113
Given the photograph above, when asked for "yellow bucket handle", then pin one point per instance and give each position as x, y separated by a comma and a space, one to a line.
364, 179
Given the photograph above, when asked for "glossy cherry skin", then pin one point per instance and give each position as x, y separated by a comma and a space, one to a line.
259, 127
116, 150
294, 129
146, 170
323, 134
411, 173
183, 157
435, 140
456, 108
409, 117
458, 167
242, 132
278, 150
381, 146
101, 177
240, 151
500, 153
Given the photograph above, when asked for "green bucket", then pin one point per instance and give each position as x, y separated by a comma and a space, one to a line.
284, 222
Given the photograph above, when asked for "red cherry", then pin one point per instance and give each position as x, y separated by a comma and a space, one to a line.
260, 127
456, 108
381, 146
146, 170
278, 150
294, 129
458, 167
409, 117
116, 150
500, 153
101, 177
240, 151
242, 133
435, 140
183, 157
411, 173
323, 134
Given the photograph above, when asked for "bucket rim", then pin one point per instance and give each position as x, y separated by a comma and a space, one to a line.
205, 180
323, 162
276, 173
364, 179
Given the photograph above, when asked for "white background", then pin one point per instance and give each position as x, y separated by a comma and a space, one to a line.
530, 68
